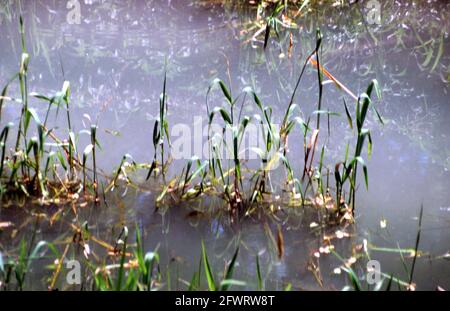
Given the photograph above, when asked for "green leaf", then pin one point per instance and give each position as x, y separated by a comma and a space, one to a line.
388, 287
230, 270
353, 278
258, 274
267, 35
2, 266
361, 161
193, 283
255, 97
374, 86
330, 113
349, 117
224, 89
209, 274
66, 90
150, 259
61, 160
225, 116
156, 133
120, 273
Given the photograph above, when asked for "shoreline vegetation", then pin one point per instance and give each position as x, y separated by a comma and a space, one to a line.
54, 170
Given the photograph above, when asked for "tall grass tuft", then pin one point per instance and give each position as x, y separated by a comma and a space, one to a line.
160, 131
350, 166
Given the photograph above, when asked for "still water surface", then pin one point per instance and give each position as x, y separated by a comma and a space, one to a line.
115, 61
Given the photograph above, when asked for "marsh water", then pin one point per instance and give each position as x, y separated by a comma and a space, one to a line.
115, 60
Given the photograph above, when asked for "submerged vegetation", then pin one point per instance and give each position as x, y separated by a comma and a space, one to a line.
125, 265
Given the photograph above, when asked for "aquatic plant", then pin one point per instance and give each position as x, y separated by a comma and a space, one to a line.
136, 270
13, 273
350, 166
227, 280
160, 131
27, 171
210, 177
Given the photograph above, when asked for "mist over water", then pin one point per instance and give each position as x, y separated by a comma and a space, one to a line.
115, 60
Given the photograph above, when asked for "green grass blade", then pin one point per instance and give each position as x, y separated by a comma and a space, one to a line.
419, 230
208, 271
230, 270
258, 274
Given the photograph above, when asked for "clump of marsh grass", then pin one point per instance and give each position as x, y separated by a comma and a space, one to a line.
350, 165
245, 189
160, 132
33, 167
